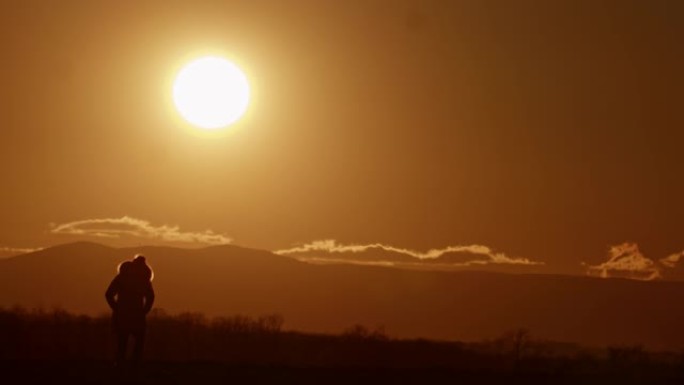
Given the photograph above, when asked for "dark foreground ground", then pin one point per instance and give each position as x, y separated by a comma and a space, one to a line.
98, 372
55, 347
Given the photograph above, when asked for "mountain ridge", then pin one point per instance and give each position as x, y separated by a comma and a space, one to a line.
468, 305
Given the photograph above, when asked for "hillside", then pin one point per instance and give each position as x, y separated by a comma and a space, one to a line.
227, 280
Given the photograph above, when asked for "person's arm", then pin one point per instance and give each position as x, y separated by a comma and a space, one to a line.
111, 293
149, 297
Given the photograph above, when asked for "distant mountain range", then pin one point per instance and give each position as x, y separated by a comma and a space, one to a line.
227, 280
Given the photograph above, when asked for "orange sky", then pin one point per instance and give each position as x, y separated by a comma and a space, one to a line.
545, 130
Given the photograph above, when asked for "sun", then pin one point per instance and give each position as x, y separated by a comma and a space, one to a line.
211, 93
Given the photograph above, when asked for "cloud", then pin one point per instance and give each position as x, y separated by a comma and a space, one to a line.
129, 226
627, 261
330, 251
10, 251
349, 261
672, 260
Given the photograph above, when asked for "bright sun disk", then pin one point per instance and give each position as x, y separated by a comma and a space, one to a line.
211, 92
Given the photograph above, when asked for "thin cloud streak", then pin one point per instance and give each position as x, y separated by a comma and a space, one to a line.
324, 261
11, 251
330, 246
140, 228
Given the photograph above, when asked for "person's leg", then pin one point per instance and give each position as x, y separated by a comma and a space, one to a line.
121, 344
138, 345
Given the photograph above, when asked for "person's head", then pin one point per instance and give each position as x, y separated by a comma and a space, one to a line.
142, 268
124, 267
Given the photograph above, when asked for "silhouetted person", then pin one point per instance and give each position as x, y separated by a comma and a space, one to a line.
130, 295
